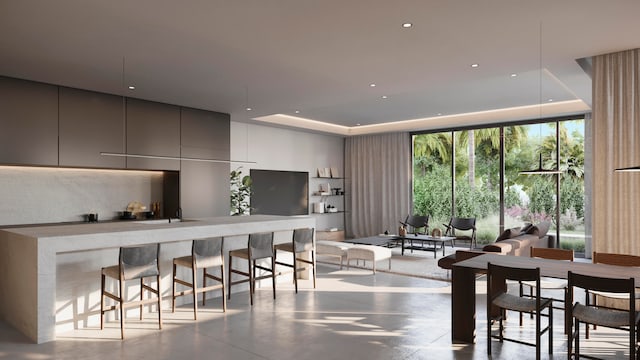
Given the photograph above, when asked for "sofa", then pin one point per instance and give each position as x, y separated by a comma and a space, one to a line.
515, 242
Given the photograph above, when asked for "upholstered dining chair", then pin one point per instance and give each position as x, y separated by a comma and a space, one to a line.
134, 262
462, 224
205, 254
498, 295
590, 313
259, 247
302, 243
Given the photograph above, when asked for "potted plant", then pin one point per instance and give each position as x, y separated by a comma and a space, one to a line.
240, 192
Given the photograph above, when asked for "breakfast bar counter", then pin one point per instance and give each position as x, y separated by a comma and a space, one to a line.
50, 279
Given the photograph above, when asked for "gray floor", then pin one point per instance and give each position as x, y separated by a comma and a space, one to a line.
351, 315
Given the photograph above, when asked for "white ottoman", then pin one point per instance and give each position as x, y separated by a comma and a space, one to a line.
369, 252
333, 248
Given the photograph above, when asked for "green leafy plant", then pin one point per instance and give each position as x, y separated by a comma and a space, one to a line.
240, 192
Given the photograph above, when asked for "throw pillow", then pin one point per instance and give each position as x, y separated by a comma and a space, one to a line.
509, 233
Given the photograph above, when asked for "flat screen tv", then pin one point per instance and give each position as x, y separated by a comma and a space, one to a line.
277, 192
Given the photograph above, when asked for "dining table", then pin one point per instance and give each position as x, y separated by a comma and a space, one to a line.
465, 274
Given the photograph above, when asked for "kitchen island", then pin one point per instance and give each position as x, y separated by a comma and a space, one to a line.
50, 279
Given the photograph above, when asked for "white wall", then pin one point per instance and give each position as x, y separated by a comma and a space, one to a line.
290, 150
31, 195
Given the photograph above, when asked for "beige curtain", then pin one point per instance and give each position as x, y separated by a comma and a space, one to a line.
378, 171
616, 143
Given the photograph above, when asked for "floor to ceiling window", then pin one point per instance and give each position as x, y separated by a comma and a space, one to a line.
463, 167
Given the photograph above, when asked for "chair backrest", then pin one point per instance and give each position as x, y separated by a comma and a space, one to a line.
462, 223
603, 284
417, 221
498, 274
552, 253
207, 252
616, 259
260, 245
302, 240
139, 261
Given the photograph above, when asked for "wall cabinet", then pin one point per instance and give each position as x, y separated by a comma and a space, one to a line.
91, 123
204, 186
28, 123
153, 129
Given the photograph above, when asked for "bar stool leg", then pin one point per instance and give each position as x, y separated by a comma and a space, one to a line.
121, 301
194, 286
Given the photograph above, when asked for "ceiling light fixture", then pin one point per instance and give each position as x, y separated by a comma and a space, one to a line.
372, 85
131, 87
514, 75
475, 65
249, 109
407, 25
297, 111
385, 97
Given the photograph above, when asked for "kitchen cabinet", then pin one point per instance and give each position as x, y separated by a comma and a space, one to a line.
152, 129
91, 123
204, 186
28, 123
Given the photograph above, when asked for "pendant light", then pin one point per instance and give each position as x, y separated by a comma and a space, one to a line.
540, 170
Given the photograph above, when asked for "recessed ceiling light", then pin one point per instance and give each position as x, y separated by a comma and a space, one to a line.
249, 109
407, 25
297, 111
439, 114
131, 87
384, 96
358, 124
475, 65
514, 75
372, 85
550, 100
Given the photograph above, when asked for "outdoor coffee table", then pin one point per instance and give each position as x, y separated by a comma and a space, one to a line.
433, 242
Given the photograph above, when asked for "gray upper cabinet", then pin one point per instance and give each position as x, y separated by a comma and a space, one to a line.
28, 123
91, 123
204, 186
152, 129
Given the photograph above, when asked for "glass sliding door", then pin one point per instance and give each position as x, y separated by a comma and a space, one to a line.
432, 160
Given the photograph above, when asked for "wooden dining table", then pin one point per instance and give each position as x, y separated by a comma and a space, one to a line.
464, 275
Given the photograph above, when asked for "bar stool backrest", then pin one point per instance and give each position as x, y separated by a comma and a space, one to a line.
261, 245
207, 252
303, 240
139, 261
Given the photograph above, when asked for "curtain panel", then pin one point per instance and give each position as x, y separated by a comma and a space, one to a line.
616, 144
378, 172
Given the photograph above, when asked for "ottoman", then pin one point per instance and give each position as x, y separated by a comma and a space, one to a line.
333, 248
369, 252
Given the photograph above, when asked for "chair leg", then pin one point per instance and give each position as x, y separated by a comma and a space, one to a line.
102, 301
173, 291
273, 274
121, 301
252, 281
194, 287
550, 329
159, 303
204, 285
313, 260
141, 295
295, 272
224, 299
229, 278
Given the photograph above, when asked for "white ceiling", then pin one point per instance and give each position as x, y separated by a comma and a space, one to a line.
320, 57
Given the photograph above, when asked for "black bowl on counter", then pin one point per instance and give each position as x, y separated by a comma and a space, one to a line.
127, 215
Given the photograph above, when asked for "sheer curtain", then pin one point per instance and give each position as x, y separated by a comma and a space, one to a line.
616, 143
378, 172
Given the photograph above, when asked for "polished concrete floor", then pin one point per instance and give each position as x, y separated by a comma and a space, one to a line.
351, 315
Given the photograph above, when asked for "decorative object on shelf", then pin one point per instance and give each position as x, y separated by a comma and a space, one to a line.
318, 208
402, 231
337, 191
240, 192
325, 189
324, 172
334, 172
331, 209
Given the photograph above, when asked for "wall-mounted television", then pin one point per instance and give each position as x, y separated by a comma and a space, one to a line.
276, 192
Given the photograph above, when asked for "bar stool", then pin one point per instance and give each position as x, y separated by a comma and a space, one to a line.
205, 253
303, 243
135, 262
260, 246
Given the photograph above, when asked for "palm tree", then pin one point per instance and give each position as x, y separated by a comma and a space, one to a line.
431, 147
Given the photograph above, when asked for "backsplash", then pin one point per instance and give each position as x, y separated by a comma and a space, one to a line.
30, 195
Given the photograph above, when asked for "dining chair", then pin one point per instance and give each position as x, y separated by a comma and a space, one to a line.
617, 260
302, 243
259, 247
498, 296
462, 224
134, 262
205, 254
550, 284
590, 313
